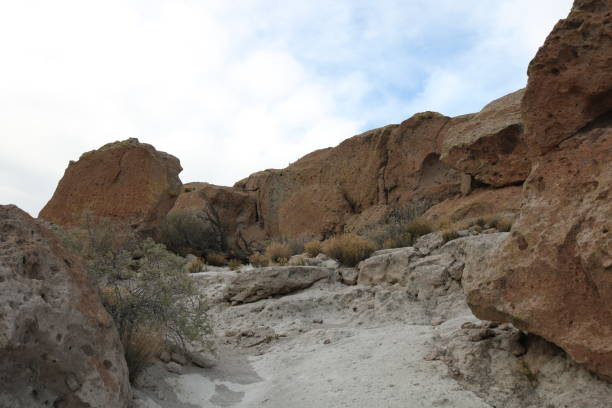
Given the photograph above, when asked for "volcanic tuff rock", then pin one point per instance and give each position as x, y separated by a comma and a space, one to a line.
553, 277
489, 145
235, 210
326, 189
126, 181
570, 80
58, 346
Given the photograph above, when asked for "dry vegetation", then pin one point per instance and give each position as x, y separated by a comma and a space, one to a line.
259, 260
313, 248
348, 249
278, 253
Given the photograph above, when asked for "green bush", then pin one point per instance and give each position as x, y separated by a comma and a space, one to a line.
348, 249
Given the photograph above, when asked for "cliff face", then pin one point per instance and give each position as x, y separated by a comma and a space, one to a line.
323, 191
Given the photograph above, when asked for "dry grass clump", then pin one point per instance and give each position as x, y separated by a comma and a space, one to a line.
234, 264
503, 224
313, 248
278, 253
348, 249
195, 266
259, 260
419, 227
141, 345
216, 259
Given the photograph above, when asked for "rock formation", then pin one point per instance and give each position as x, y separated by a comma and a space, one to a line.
236, 211
489, 145
58, 346
126, 181
553, 276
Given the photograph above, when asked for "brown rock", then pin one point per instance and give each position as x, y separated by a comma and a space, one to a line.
570, 78
127, 181
57, 343
329, 188
236, 210
553, 277
489, 145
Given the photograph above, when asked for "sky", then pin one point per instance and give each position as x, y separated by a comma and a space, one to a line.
234, 87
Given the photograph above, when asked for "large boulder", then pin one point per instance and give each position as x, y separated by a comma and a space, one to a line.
261, 283
553, 276
129, 182
58, 346
489, 145
570, 80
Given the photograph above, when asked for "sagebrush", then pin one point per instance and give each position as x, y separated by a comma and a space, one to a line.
348, 249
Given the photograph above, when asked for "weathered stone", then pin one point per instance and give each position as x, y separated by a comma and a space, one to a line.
489, 145
129, 182
552, 276
174, 368
569, 85
388, 266
348, 276
57, 343
261, 283
427, 243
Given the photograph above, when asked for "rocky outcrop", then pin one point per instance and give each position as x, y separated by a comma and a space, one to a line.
570, 81
324, 191
489, 145
58, 346
552, 277
261, 283
236, 211
129, 182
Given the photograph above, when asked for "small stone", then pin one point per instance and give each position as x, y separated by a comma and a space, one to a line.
165, 356
202, 360
318, 321
482, 334
174, 368
72, 382
179, 358
327, 341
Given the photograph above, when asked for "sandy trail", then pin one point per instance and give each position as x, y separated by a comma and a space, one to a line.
369, 351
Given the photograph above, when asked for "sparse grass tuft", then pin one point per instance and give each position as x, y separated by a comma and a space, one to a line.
216, 259
313, 248
234, 264
258, 260
278, 253
348, 249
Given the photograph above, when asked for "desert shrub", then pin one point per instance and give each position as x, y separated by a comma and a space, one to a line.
147, 291
348, 249
234, 264
189, 231
258, 260
216, 259
296, 245
159, 295
297, 261
313, 248
278, 253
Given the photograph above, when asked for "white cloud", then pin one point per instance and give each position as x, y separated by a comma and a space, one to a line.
235, 87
